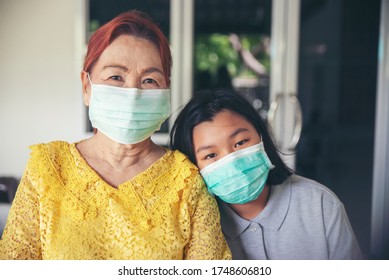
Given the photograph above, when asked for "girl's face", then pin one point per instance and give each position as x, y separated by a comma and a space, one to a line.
226, 133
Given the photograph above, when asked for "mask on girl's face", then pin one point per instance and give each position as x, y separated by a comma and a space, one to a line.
239, 177
128, 115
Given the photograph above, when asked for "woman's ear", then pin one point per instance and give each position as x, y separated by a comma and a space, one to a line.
86, 87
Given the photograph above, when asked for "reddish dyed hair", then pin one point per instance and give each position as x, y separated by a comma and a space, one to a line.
134, 23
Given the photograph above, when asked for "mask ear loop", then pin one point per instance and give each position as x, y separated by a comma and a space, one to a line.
89, 78
90, 81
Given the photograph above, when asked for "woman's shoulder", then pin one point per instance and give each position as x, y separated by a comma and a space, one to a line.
48, 165
50, 147
180, 167
49, 154
182, 160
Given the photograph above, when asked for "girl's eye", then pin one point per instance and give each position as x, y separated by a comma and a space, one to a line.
210, 156
240, 143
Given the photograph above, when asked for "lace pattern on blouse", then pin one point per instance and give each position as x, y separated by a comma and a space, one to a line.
64, 210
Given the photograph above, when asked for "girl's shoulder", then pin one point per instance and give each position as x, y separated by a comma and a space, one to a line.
309, 191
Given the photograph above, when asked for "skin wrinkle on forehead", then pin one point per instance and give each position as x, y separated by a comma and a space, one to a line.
117, 52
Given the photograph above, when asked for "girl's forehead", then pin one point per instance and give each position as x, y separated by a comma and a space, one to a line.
224, 123
225, 118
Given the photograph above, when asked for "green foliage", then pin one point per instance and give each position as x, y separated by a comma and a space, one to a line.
93, 25
214, 50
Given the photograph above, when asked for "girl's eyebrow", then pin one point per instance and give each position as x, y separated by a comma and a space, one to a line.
237, 131
201, 148
232, 135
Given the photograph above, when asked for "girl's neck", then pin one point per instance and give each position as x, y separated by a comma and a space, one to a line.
251, 209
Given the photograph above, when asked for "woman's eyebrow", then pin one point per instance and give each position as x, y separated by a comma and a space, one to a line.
145, 71
124, 68
152, 70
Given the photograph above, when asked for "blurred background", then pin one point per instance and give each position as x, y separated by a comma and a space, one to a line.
316, 70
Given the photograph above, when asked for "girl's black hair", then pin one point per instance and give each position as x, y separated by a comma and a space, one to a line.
204, 106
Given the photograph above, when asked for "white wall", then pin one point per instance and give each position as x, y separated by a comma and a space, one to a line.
41, 52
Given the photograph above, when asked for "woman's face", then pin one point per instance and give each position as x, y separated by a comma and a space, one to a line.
128, 62
226, 133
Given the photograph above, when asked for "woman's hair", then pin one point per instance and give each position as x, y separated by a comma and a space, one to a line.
204, 106
133, 23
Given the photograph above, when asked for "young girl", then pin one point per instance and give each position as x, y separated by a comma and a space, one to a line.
266, 211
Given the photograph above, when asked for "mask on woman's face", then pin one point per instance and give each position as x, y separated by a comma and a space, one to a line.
128, 115
239, 177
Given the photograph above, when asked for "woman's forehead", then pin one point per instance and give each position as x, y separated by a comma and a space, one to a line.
127, 49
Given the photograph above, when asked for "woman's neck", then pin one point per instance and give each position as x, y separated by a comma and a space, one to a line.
251, 209
120, 156
117, 163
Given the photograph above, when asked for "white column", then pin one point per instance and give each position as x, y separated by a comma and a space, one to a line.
284, 113
181, 34
380, 194
181, 44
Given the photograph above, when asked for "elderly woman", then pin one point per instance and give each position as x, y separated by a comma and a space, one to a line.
116, 195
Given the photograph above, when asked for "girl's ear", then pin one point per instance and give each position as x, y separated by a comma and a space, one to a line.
86, 87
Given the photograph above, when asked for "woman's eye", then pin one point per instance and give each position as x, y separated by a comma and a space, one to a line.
116, 78
150, 83
210, 156
113, 80
240, 143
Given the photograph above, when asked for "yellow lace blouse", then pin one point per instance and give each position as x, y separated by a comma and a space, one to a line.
64, 210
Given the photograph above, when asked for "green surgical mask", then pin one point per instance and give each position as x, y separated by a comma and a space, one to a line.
128, 115
240, 176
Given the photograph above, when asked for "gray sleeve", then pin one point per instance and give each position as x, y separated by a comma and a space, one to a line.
342, 243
